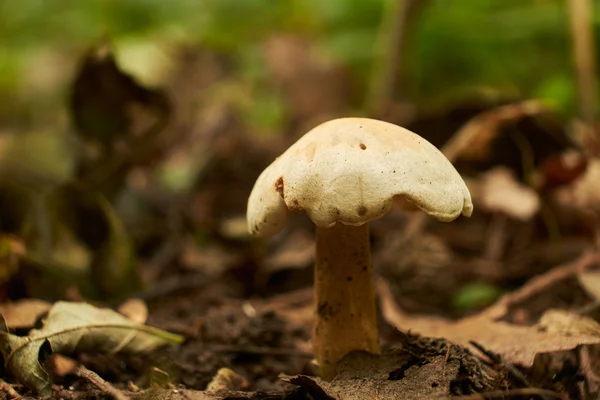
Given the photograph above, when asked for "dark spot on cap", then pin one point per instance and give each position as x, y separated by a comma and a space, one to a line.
295, 205
362, 211
349, 278
364, 268
279, 186
362, 146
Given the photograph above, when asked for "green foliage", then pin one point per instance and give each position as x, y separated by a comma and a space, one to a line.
476, 295
519, 47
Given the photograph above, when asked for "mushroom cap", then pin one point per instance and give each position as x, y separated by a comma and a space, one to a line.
352, 170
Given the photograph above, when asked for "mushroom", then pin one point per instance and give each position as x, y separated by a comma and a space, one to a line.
344, 174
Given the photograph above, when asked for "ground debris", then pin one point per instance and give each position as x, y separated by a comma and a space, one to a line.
517, 344
366, 376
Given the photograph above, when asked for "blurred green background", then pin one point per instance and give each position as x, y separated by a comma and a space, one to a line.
514, 47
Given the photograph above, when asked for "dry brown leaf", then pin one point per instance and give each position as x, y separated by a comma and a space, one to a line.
23, 313
135, 309
74, 327
516, 344
590, 282
565, 323
226, 379
583, 193
472, 141
499, 191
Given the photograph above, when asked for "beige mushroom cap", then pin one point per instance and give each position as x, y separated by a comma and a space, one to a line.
350, 170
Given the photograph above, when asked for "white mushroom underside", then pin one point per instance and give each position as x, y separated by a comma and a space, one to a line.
350, 171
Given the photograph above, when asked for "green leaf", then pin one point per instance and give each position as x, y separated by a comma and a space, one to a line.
75, 327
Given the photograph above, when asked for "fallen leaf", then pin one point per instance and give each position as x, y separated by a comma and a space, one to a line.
516, 344
135, 309
226, 379
74, 327
590, 282
565, 323
583, 193
23, 313
501, 192
474, 140
62, 366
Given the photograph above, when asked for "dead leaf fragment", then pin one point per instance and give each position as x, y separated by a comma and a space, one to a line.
72, 327
590, 282
501, 192
583, 193
565, 323
23, 313
225, 379
515, 343
135, 309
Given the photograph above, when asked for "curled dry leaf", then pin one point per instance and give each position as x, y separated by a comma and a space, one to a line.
500, 191
72, 327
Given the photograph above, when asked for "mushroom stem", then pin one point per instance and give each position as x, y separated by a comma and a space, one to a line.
345, 310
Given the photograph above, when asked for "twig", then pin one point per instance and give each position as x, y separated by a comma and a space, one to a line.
585, 57
100, 383
509, 393
9, 390
499, 361
541, 282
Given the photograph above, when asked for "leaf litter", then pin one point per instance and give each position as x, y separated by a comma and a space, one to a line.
74, 327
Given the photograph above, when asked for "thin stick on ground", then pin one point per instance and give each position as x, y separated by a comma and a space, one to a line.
497, 359
100, 383
541, 282
9, 390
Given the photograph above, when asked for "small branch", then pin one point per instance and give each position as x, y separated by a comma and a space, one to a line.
9, 390
100, 383
499, 361
541, 282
